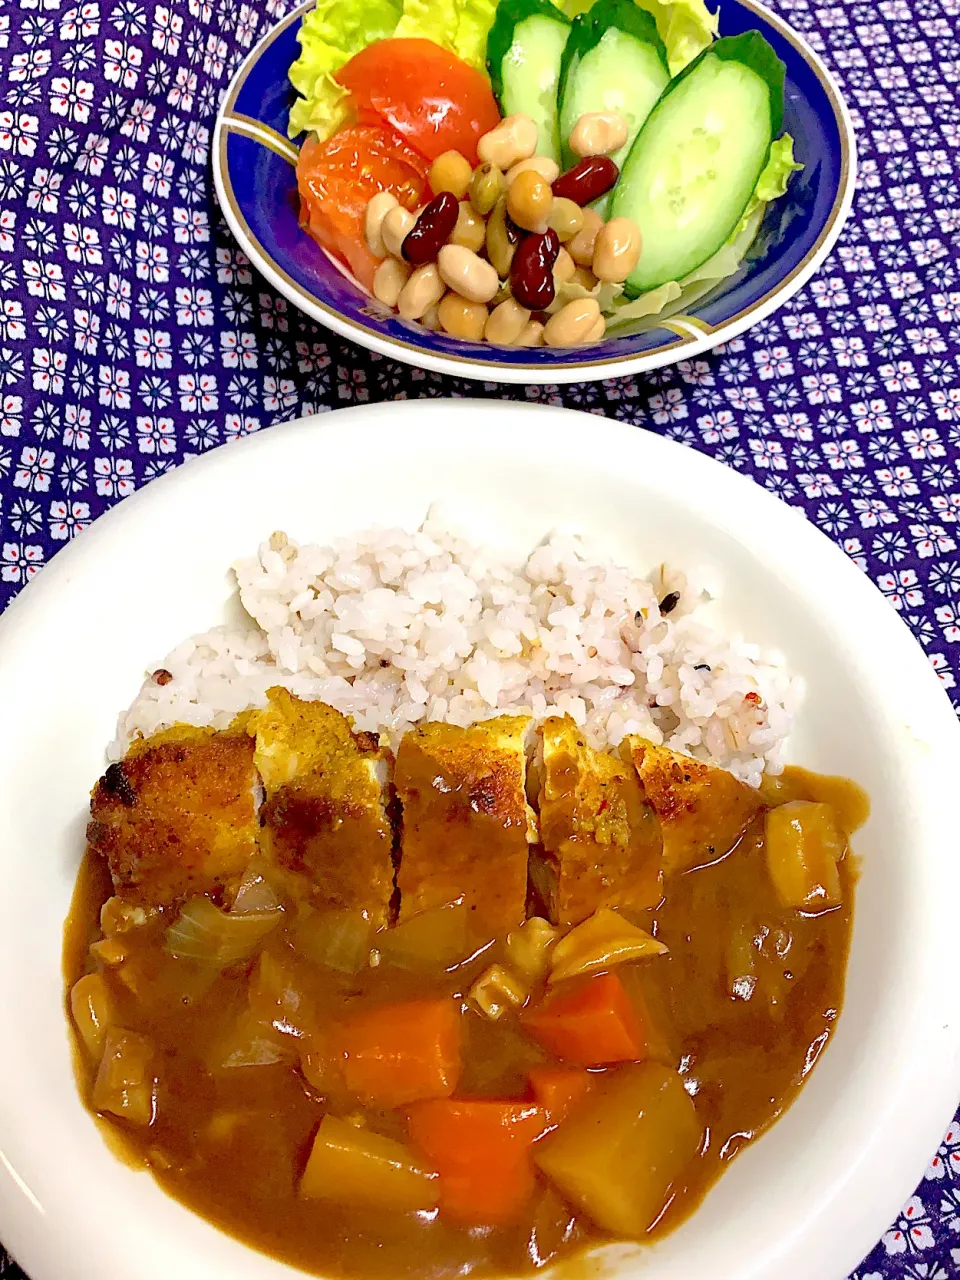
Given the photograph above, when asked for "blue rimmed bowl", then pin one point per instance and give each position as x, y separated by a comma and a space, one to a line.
254, 171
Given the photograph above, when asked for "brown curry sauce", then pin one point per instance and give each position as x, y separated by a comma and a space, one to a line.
746, 999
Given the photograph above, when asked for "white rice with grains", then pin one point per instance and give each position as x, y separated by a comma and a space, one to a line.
395, 627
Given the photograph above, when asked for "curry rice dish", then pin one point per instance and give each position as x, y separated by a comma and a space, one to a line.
467, 1007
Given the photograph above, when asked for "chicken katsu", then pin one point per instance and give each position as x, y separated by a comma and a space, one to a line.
324, 813
600, 842
466, 822
468, 1011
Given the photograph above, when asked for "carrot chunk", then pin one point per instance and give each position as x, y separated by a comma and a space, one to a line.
559, 1089
403, 1052
590, 1022
482, 1151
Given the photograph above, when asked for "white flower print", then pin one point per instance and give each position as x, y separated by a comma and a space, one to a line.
153, 348
194, 306
198, 392
156, 435
236, 425
901, 589
931, 539
114, 477
71, 98
67, 519
167, 30
118, 207
122, 62
20, 562
82, 244
35, 467
912, 1232
114, 387
238, 350
11, 415
946, 1163
18, 132
157, 175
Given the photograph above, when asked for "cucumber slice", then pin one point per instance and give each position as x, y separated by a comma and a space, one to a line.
524, 51
614, 61
695, 163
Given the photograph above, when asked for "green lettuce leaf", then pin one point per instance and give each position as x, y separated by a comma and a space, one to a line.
458, 25
329, 37
686, 27
677, 296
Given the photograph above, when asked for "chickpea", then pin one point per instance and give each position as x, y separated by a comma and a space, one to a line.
505, 323
431, 318
531, 335
501, 239
377, 209
421, 292
391, 275
570, 326
450, 172
486, 187
514, 138
467, 273
599, 133
597, 332
397, 223
548, 169
564, 268
462, 318
471, 230
582, 245
617, 250
585, 278
566, 218
529, 201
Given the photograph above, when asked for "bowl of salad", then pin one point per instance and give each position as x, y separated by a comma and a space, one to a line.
529, 191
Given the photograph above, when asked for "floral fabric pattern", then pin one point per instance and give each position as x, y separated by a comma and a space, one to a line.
135, 334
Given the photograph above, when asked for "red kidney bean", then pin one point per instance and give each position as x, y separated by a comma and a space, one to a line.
432, 229
531, 273
588, 180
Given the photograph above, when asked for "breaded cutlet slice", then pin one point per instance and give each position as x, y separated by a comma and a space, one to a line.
177, 816
466, 821
703, 810
325, 812
600, 842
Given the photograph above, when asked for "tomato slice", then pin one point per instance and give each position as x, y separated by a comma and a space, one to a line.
338, 177
425, 93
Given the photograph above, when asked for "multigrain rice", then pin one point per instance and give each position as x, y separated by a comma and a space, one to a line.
395, 627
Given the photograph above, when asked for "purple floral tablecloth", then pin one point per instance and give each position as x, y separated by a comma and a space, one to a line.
134, 334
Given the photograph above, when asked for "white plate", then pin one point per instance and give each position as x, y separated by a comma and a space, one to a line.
810, 1198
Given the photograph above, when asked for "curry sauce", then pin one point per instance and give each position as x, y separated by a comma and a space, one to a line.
260, 1069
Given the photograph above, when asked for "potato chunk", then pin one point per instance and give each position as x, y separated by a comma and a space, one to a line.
354, 1167
804, 846
703, 810
618, 1155
125, 1084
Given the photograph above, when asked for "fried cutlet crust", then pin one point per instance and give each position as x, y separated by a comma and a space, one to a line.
466, 821
177, 816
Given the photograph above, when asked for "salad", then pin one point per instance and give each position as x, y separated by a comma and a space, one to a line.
529, 172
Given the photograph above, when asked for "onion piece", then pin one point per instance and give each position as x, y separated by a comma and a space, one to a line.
255, 893
339, 940
204, 933
431, 941
600, 942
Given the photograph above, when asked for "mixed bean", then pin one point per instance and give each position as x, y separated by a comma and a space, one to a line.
484, 259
